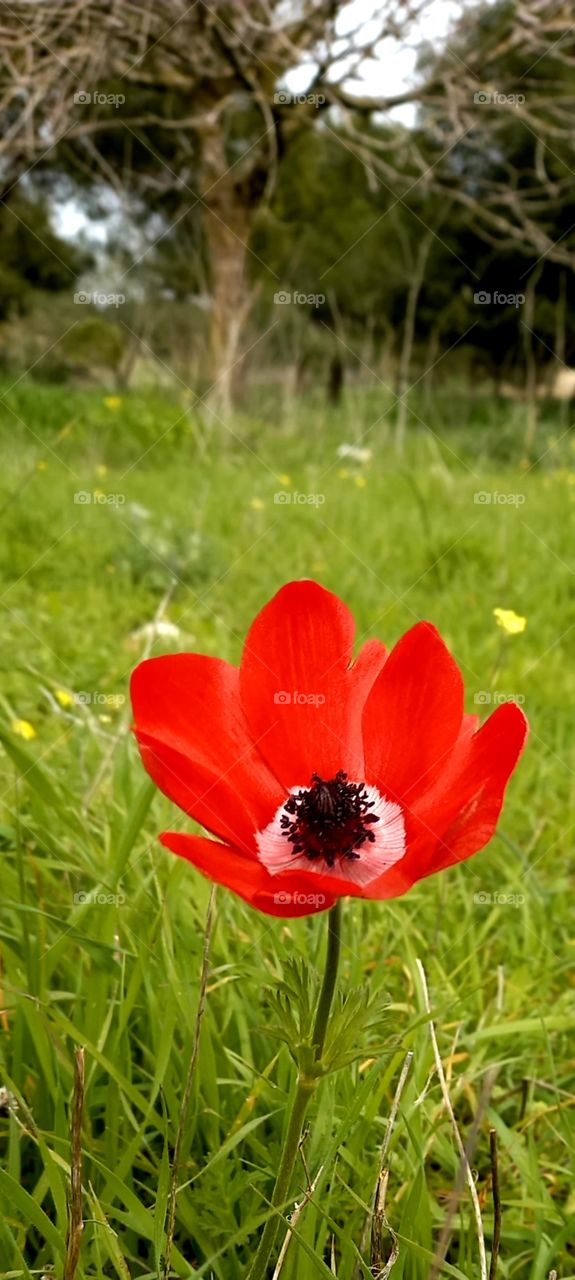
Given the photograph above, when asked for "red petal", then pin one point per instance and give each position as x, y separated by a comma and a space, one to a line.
413, 715
196, 745
248, 878
458, 815
299, 647
364, 672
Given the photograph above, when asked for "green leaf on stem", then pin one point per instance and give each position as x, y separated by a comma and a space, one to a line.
357, 1026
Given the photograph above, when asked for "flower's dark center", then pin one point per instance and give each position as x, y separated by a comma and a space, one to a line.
330, 820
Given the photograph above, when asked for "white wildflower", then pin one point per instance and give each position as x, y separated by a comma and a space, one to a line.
354, 452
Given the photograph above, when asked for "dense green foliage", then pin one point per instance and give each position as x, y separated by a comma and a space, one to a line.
183, 522
34, 259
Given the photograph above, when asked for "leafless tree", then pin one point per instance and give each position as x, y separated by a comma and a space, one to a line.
209, 81
512, 71
226, 115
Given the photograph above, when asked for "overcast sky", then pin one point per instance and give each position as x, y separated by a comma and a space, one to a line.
394, 69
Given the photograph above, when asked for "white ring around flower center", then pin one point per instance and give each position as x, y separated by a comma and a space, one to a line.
375, 857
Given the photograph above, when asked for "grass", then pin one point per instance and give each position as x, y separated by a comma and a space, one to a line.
194, 537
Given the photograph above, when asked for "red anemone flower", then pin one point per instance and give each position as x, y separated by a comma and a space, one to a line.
321, 776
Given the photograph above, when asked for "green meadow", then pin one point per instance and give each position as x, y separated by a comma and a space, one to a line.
137, 525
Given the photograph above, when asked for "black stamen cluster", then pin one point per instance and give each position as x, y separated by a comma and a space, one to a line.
330, 820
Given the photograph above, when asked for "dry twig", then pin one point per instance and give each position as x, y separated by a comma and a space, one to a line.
75, 1220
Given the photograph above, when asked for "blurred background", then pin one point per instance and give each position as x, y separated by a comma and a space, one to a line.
257, 202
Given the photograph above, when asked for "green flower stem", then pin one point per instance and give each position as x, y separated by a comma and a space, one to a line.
304, 1091
329, 978
303, 1094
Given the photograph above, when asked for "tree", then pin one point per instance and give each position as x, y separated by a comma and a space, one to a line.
181, 111
179, 107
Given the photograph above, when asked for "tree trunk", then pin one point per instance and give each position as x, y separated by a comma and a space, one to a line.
560, 341
530, 362
336, 373
407, 344
227, 224
430, 362
336, 366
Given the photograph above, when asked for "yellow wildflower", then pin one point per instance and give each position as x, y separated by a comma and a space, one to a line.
24, 729
510, 622
42, 466
360, 481
101, 469
113, 402
64, 698
284, 479
256, 504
